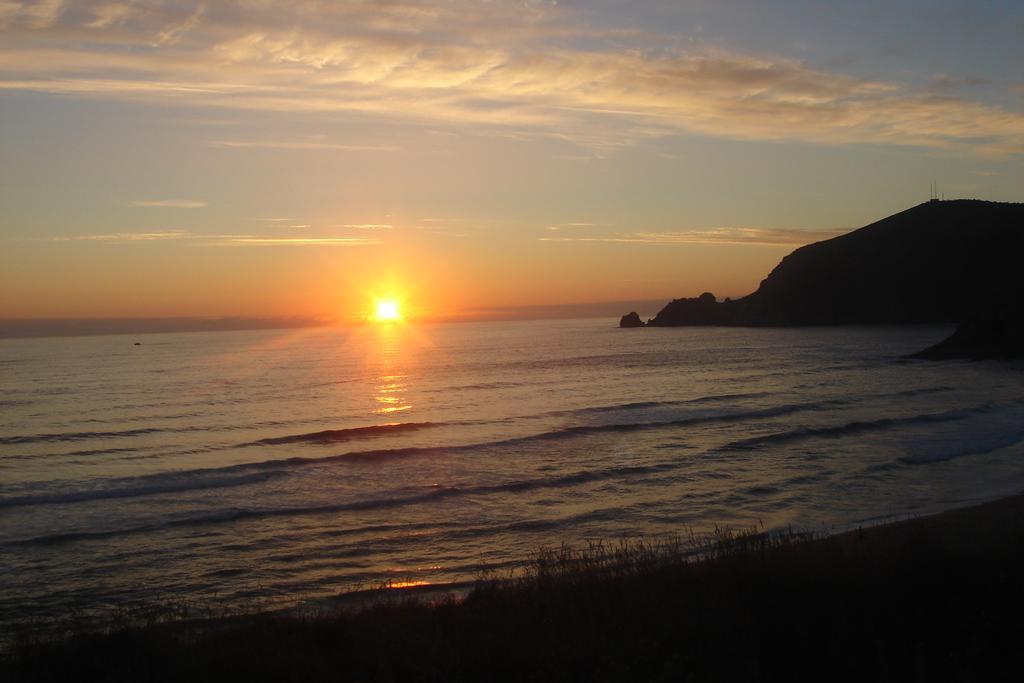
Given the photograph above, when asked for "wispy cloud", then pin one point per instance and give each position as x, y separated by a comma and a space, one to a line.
9, 10
170, 203
230, 240
126, 237
300, 241
173, 33
112, 13
531, 69
301, 145
944, 83
722, 235
38, 15
572, 226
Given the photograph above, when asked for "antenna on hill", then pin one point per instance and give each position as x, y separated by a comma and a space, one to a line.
934, 192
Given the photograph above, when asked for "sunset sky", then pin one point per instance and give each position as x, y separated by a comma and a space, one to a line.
304, 157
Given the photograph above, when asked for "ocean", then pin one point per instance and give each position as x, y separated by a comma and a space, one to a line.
289, 466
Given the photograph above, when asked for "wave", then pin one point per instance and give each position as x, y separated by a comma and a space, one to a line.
640, 405
386, 502
325, 436
233, 515
168, 484
78, 436
145, 417
924, 391
850, 428
91, 451
728, 416
197, 479
976, 444
185, 480
720, 398
333, 435
553, 435
474, 387
13, 402
101, 451
223, 477
509, 487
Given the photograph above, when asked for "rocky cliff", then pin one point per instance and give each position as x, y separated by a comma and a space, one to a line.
938, 262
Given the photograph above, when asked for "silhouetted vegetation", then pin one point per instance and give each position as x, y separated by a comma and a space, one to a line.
930, 599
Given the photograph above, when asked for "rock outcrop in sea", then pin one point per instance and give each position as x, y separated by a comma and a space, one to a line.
938, 262
702, 310
631, 319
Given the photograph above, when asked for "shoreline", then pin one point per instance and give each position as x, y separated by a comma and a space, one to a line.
909, 593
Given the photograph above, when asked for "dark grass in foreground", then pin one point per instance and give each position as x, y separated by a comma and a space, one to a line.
931, 599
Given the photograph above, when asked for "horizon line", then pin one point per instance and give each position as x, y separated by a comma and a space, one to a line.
87, 326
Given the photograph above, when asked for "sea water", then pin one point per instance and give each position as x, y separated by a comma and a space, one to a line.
295, 465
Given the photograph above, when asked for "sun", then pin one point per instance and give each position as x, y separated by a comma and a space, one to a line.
387, 310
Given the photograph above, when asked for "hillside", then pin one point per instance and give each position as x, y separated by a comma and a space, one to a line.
938, 262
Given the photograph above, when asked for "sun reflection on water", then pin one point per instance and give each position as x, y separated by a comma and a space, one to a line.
391, 382
407, 584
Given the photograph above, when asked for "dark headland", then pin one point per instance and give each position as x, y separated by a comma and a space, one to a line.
952, 261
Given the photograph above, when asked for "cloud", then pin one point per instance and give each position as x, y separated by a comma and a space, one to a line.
112, 13
170, 203
719, 235
9, 10
174, 32
127, 237
943, 83
572, 226
219, 240
303, 145
40, 14
505, 67
722, 235
300, 241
